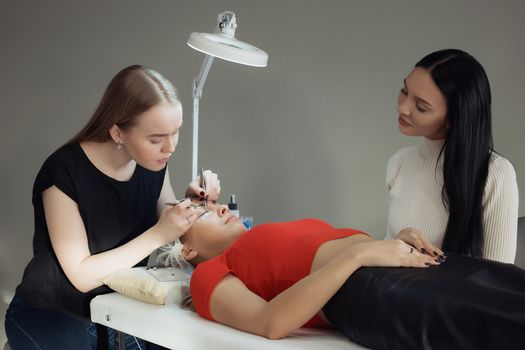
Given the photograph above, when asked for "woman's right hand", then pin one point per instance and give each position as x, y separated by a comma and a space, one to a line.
174, 221
391, 253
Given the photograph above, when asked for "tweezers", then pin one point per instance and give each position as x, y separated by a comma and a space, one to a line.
192, 206
174, 204
203, 185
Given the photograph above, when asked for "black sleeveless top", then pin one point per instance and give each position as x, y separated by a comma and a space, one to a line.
114, 212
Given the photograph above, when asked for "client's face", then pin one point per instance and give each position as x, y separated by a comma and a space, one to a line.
213, 232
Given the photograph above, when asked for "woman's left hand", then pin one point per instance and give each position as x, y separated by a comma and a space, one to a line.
417, 239
213, 187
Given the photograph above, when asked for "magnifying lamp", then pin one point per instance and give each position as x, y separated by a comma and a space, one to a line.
221, 44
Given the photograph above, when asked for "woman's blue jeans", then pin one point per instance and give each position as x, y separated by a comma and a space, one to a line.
28, 327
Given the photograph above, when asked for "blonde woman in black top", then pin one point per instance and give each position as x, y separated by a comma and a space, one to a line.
99, 204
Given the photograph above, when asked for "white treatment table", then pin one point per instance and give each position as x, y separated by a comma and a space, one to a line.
180, 329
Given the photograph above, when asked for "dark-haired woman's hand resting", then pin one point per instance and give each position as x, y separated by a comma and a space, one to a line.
391, 253
174, 221
417, 239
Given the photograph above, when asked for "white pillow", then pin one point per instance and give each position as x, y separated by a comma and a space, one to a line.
164, 285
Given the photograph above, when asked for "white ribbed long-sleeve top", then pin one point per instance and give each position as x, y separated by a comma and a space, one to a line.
414, 181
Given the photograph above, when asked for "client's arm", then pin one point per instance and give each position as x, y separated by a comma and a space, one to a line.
233, 304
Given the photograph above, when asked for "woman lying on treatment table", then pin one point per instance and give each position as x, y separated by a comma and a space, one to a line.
278, 277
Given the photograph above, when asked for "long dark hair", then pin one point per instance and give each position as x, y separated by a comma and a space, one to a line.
133, 91
467, 148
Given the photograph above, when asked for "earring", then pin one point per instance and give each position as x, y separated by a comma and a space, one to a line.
119, 146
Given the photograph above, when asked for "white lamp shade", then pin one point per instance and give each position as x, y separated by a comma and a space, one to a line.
228, 48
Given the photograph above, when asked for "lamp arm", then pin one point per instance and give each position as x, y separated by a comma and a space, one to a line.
200, 79
198, 85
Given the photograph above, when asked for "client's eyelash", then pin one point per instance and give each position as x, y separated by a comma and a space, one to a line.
203, 216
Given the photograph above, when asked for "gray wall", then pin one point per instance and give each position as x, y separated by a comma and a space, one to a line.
309, 135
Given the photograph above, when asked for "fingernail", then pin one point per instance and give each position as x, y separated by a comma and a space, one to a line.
202, 193
208, 196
